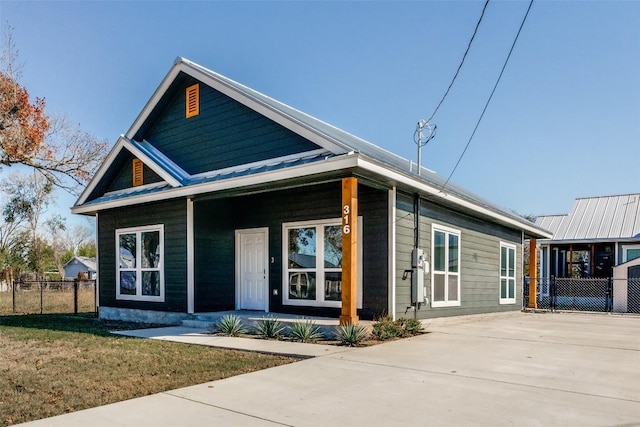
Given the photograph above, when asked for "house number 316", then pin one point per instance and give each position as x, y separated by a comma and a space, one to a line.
346, 227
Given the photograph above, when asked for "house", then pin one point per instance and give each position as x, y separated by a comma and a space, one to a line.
80, 265
596, 235
626, 287
219, 198
591, 241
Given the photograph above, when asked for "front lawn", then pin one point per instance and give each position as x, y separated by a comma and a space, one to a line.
53, 364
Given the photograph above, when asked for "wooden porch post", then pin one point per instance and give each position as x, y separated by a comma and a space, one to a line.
533, 274
349, 312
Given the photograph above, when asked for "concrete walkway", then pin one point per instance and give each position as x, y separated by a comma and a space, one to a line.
201, 337
515, 369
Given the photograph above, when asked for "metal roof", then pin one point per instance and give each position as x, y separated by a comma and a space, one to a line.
614, 217
335, 141
352, 143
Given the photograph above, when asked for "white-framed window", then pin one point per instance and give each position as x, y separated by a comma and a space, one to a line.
630, 252
312, 263
140, 263
507, 273
445, 273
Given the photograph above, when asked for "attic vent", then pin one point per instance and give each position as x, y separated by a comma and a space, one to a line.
193, 100
137, 172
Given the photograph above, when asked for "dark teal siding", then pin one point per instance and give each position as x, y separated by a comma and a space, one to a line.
123, 178
480, 258
224, 134
217, 220
170, 213
214, 256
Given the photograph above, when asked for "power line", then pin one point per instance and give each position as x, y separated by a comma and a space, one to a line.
490, 97
461, 62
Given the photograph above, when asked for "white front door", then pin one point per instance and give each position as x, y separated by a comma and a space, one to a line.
251, 269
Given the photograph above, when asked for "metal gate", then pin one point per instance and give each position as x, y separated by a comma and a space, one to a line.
572, 294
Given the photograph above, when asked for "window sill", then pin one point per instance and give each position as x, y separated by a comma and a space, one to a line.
139, 298
441, 304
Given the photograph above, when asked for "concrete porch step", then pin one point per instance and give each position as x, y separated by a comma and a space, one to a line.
251, 320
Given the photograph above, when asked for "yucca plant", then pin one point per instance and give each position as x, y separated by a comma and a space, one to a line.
352, 335
270, 327
230, 325
305, 331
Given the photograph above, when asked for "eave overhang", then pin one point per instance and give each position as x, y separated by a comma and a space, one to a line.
349, 163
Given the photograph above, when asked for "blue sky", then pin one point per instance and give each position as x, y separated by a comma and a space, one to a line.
564, 122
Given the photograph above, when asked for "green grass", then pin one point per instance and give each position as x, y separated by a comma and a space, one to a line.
53, 364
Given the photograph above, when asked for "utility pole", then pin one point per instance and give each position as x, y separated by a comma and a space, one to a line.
421, 139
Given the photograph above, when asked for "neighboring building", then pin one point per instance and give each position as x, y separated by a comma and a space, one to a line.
78, 265
598, 234
219, 197
626, 287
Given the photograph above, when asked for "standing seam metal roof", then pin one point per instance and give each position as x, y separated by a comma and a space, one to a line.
353, 143
613, 217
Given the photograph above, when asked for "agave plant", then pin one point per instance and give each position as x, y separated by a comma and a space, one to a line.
352, 335
270, 327
230, 325
306, 331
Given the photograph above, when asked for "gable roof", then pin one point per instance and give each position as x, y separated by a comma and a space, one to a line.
338, 150
612, 218
88, 262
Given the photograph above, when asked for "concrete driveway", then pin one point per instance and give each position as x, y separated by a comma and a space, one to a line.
514, 369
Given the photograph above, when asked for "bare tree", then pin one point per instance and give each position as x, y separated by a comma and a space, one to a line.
28, 136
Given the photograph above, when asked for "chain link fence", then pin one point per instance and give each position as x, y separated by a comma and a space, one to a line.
48, 297
595, 295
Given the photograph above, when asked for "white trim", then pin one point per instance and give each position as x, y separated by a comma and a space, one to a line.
625, 248
508, 246
392, 254
216, 82
448, 231
327, 165
319, 301
138, 296
261, 163
190, 259
150, 163
238, 259
106, 163
124, 143
97, 295
350, 160
435, 191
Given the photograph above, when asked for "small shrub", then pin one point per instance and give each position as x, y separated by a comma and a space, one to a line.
386, 329
230, 326
270, 327
410, 327
352, 335
306, 331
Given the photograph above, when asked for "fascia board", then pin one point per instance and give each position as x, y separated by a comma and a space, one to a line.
149, 162
589, 241
435, 191
153, 101
328, 165
244, 98
117, 147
